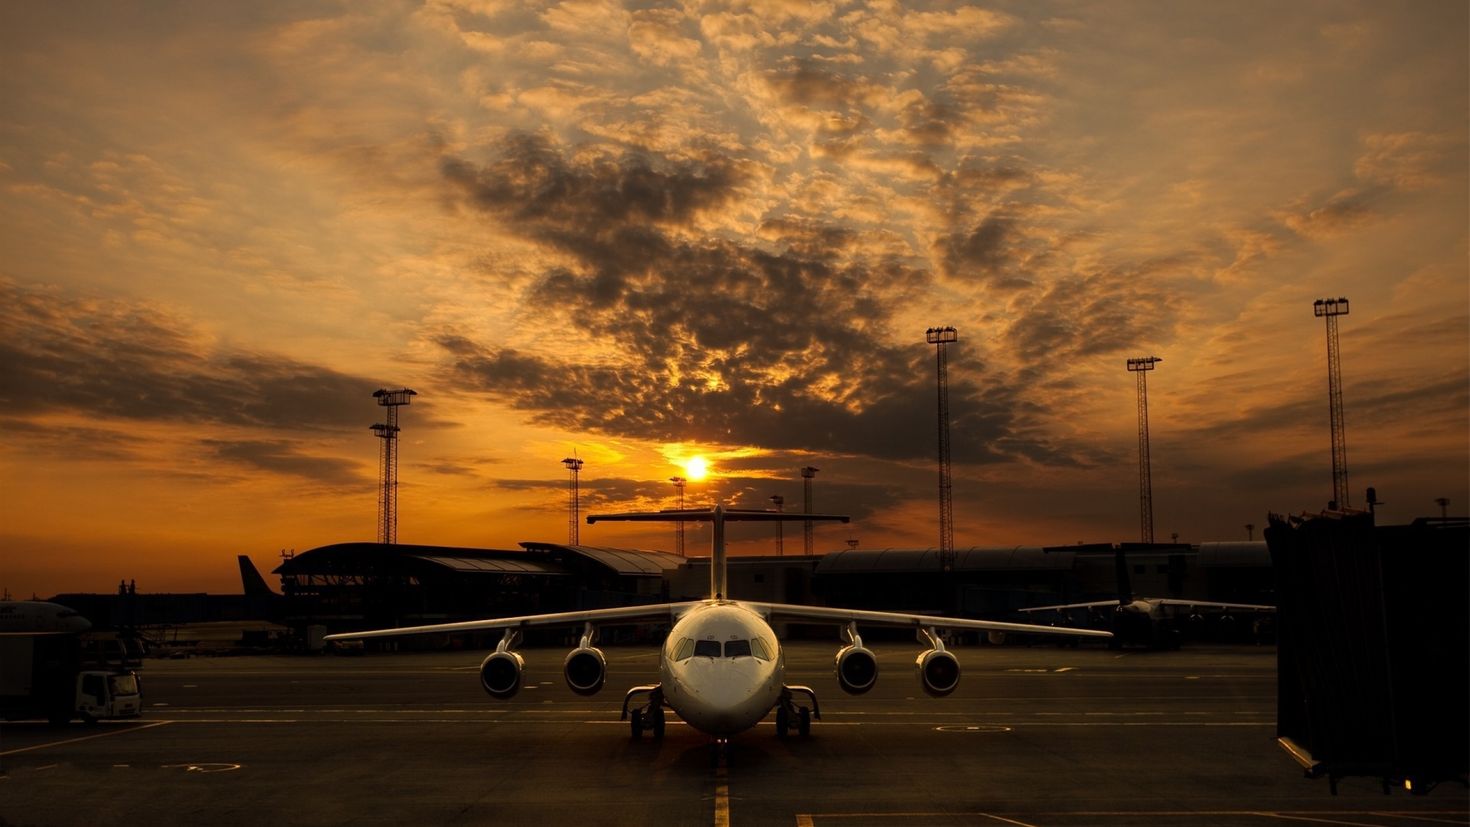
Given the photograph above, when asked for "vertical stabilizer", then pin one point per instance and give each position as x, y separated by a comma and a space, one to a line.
1125, 582
255, 585
719, 515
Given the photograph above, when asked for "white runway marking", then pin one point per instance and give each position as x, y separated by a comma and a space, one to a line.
85, 738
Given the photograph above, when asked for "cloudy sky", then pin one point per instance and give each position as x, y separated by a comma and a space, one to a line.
651, 232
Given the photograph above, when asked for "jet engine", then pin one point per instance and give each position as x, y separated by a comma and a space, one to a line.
585, 670
857, 667
939, 671
501, 673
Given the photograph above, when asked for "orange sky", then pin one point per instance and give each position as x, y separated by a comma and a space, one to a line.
715, 229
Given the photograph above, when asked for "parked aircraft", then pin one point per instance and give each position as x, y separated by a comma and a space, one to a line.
721, 668
35, 617
1148, 621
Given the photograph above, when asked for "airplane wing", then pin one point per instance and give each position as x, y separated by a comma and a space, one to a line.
782, 611
1209, 604
1096, 604
623, 614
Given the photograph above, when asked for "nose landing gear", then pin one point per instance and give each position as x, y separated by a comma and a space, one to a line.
649, 718
789, 715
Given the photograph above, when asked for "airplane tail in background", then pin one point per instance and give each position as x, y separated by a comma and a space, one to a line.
719, 515
1125, 582
255, 585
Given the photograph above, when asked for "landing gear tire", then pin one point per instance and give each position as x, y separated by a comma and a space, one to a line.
658, 724
783, 721
804, 722
636, 716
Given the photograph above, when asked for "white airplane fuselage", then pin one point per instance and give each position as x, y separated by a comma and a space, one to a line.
721, 694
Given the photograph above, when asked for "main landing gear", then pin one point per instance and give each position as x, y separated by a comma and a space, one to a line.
790, 716
648, 718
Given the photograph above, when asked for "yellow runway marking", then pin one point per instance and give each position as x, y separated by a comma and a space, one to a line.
84, 738
722, 796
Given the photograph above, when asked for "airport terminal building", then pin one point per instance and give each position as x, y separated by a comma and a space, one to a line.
348, 586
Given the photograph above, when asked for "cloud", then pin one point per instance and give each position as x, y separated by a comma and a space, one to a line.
717, 340
133, 361
1345, 211
284, 457
1405, 160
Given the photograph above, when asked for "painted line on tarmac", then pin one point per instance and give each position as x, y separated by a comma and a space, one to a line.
722, 795
1175, 816
85, 738
809, 819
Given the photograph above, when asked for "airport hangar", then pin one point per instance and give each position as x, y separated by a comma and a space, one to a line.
352, 586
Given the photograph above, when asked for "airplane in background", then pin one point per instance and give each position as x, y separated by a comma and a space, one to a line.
721, 668
35, 617
1147, 621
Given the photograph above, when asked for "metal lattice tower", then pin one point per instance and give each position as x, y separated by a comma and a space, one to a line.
574, 469
940, 337
779, 501
679, 483
1142, 366
388, 461
1330, 309
806, 490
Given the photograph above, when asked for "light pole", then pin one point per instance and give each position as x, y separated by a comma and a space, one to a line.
1444, 507
1141, 366
779, 501
679, 483
806, 488
574, 468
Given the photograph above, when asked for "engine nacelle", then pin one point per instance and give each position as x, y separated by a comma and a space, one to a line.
585, 670
939, 672
501, 674
857, 669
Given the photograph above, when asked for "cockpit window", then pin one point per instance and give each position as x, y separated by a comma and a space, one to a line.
684, 649
737, 649
707, 648
758, 648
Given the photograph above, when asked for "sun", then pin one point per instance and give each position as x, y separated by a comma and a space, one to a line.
696, 468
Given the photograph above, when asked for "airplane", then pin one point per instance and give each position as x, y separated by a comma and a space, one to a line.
721, 667
1146, 621
36, 617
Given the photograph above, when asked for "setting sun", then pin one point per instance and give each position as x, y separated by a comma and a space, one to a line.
696, 468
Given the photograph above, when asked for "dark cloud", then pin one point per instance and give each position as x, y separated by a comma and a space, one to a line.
1101, 313
807, 84
1342, 212
715, 340
283, 457
130, 362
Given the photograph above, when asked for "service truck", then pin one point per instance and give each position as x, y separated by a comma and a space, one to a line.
51, 676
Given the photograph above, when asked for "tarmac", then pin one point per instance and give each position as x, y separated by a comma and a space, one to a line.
1038, 737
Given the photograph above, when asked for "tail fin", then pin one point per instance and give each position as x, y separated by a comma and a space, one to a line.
255, 585
719, 515
1125, 583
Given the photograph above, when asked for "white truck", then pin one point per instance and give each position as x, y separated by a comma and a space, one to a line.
54, 675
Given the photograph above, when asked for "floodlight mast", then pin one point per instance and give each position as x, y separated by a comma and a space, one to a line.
941, 337
388, 461
807, 474
1330, 309
1141, 366
574, 469
679, 483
